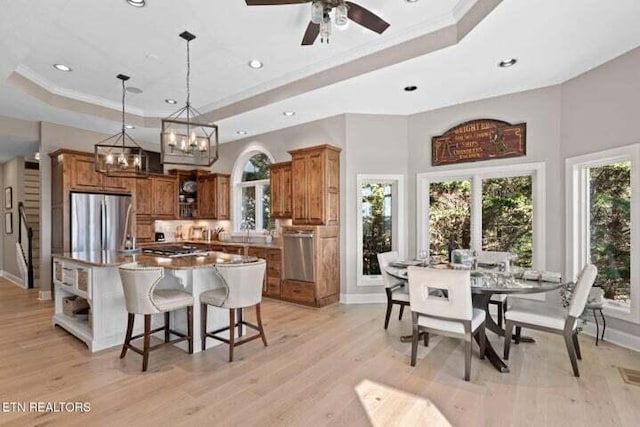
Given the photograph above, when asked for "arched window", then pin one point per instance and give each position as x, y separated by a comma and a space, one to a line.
252, 195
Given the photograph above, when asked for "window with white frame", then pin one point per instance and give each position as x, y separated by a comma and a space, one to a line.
380, 209
252, 194
601, 202
483, 209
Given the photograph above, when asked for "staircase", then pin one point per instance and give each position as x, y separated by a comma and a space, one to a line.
32, 212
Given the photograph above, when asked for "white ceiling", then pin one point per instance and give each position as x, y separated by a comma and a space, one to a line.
554, 40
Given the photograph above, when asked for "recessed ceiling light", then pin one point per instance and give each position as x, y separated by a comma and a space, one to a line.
136, 3
289, 113
507, 63
410, 88
62, 67
411, 1
255, 64
241, 132
130, 126
171, 101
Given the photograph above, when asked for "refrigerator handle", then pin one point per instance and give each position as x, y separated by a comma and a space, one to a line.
103, 219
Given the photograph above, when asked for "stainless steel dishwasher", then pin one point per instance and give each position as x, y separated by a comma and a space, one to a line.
299, 256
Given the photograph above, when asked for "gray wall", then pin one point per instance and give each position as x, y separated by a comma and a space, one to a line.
600, 110
540, 109
12, 172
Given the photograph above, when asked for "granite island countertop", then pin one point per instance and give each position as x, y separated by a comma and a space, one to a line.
115, 258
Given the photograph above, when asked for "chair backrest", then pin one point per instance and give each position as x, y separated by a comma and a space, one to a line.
494, 257
581, 291
455, 284
384, 259
244, 283
138, 284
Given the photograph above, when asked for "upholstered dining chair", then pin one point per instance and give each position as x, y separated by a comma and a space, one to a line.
542, 316
495, 259
397, 292
242, 289
441, 303
141, 297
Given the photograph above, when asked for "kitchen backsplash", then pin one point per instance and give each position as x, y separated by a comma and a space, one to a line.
194, 228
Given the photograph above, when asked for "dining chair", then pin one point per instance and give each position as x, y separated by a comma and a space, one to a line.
542, 316
142, 297
397, 292
441, 303
495, 259
242, 289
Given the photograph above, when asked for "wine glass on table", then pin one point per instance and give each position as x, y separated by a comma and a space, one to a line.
422, 256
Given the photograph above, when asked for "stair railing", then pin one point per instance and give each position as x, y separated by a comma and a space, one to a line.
28, 258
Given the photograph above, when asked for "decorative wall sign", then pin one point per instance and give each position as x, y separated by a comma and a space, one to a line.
476, 140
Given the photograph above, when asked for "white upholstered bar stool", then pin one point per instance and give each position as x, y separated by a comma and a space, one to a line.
397, 292
542, 316
242, 289
441, 303
142, 297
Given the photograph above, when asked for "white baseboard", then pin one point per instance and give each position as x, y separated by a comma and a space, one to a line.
379, 298
45, 296
623, 339
15, 279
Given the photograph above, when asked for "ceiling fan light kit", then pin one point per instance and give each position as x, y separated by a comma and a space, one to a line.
320, 22
119, 155
183, 141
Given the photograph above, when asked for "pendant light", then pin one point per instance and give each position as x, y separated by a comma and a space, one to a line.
183, 140
119, 155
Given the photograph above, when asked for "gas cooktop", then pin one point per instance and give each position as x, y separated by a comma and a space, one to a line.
174, 250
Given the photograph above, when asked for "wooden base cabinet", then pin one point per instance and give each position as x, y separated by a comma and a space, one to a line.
326, 287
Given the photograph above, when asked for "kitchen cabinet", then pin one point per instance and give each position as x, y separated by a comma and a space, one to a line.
280, 185
237, 250
74, 171
273, 275
315, 185
156, 197
145, 230
213, 196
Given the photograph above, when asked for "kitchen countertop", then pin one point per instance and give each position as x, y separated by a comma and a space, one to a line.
272, 245
114, 259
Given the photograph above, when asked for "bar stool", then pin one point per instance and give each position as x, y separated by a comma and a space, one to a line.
142, 298
242, 288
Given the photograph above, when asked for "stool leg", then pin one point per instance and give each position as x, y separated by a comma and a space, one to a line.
597, 326
167, 320
500, 313
604, 325
239, 322
190, 327
232, 330
203, 325
147, 337
127, 339
259, 319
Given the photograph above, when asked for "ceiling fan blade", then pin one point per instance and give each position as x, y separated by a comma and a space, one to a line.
311, 34
274, 2
366, 18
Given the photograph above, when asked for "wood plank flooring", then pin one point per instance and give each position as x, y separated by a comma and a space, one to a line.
334, 366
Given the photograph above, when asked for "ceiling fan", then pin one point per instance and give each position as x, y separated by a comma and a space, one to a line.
320, 23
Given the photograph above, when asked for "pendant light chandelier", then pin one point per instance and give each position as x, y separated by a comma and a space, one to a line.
119, 155
184, 141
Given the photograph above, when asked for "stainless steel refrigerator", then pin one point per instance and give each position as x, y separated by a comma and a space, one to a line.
97, 221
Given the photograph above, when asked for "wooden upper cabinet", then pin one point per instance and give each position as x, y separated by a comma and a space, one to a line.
83, 173
213, 196
165, 196
144, 196
315, 184
280, 185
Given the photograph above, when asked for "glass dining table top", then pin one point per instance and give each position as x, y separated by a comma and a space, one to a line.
485, 281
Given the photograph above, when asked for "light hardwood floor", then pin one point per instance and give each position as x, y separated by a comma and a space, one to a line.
322, 367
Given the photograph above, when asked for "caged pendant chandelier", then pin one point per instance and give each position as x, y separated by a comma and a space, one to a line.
119, 155
184, 141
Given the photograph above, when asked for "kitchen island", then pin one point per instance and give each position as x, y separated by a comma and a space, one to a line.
94, 276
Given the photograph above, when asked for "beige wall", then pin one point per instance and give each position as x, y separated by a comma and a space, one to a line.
12, 172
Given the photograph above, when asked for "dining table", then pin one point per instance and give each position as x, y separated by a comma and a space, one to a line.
484, 284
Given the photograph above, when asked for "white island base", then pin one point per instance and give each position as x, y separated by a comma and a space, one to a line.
100, 286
